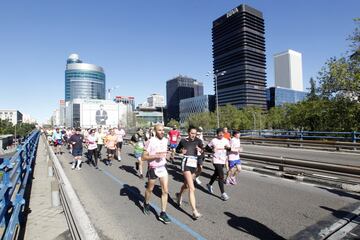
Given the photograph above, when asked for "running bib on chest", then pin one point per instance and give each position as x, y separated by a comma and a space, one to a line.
191, 162
161, 171
174, 138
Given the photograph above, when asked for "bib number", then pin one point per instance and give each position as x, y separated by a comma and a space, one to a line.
191, 162
160, 171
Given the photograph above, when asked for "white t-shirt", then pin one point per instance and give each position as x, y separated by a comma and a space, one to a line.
156, 146
235, 149
219, 156
92, 142
120, 134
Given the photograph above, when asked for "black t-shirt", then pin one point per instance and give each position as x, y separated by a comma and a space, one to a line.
136, 138
78, 139
190, 146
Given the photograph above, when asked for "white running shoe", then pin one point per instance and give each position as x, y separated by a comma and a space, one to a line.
78, 168
197, 180
210, 188
73, 166
224, 196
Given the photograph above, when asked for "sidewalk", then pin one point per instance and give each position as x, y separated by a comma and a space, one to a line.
44, 221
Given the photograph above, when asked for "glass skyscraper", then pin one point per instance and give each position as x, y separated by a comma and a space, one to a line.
239, 49
278, 96
83, 80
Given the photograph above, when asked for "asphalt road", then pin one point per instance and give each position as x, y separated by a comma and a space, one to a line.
260, 207
344, 158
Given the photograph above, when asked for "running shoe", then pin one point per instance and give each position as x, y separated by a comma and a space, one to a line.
210, 188
196, 216
224, 197
197, 180
141, 176
146, 209
228, 181
178, 198
73, 166
164, 218
78, 168
233, 180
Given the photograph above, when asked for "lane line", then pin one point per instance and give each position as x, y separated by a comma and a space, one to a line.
183, 226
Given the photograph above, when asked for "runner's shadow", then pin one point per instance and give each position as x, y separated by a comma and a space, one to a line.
157, 191
129, 169
339, 214
341, 193
134, 195
251, 227
175, 173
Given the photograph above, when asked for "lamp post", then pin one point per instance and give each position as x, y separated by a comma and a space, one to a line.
253, 113
215, 76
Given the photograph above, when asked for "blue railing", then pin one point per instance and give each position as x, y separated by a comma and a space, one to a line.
15, 174
305, 135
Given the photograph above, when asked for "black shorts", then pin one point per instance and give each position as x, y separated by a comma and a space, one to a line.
201, 159
150, 174
77, 152
111, 151
119, 145
185, 168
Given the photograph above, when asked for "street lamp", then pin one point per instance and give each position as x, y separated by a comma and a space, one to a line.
215, 76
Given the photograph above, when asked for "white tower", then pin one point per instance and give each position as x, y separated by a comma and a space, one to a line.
288, 70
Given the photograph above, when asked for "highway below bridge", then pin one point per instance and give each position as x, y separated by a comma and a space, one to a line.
260, 206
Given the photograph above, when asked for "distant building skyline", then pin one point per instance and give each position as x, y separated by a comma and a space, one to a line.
178, 88
199, 104
288, 70
278, 96
83, 80
239, 49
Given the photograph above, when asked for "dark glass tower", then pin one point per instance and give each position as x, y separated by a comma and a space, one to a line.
239, 49
180, 88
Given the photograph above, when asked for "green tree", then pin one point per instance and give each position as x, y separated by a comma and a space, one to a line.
312, 95
172, 123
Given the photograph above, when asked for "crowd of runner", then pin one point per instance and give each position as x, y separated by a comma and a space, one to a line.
151, 146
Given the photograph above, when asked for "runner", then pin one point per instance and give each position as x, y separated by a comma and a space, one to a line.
76, 141
227, 134
110, 143
234, 159
155, 153
92, 148
57, 138
120, 133
173, 136
201, 157
100, 135
190, 147
138, 141
219, 146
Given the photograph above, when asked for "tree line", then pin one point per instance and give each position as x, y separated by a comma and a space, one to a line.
22, 129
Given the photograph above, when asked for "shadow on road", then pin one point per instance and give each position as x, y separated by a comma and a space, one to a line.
341, 193
129, 169
340, 214
251, 227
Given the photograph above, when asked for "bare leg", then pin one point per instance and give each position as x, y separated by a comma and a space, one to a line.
165, 192
148, 191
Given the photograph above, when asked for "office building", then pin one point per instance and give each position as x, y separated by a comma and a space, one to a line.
239, 49
83, 80
199, 104
277, 96
13, 116
178, 88
156, 100
127, 100
288, 70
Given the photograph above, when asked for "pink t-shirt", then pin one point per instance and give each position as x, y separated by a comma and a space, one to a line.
235, 149
156, 146
120, 134
219, 156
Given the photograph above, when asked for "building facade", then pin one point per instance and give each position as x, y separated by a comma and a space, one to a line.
189, 106
179, 88
13, 116
239, 49
127, 100
288, 70
83, 80
156, 100
277, 96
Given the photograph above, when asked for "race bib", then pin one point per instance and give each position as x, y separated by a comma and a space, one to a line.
174, 138
161, 171
191, 162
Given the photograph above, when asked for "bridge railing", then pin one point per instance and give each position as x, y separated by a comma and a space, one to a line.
15, 172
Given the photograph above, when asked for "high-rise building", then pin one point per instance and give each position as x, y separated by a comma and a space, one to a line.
239, 49
278, 96
83, 80
199, 104
13, 116
288, 70
156, 100
178, 88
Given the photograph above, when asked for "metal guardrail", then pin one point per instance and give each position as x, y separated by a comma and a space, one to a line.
15, 174
78, 221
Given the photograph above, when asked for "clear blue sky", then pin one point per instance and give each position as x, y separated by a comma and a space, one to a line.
142, 44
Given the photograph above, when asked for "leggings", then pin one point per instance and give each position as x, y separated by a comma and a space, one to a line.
90, 156
218, 172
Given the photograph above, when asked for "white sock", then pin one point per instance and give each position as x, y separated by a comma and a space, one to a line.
78, 163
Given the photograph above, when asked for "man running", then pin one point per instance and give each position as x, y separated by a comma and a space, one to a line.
100, 135
76, 140
57, 138
234, 159
138, 141
110, 143
219, 145
155, 153
120, 133
190, 147
173, 136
